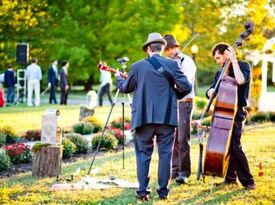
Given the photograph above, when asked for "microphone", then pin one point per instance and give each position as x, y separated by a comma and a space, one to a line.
123, 60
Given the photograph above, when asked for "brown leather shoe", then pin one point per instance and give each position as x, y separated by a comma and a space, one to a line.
143, 197
250, 187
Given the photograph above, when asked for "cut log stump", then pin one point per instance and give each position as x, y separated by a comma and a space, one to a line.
47, 161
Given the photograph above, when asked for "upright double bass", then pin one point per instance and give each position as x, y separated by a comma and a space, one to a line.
216, 156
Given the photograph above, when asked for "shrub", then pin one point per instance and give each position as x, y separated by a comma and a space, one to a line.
118, 123
118, 134
272, 116
83, 128
260, 117
9, 132
78, 127
5, 162
32, 135
69, 148
87, 129
206, 121
19, 153
3, 139
200, 102
97, 124
197, 115
80, 142
108, 141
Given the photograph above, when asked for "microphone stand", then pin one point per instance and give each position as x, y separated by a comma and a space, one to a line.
107, 121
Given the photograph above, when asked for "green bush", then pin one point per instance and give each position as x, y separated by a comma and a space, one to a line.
9, 132
78, 127
197, 115
109, 141
83, 128
3, 139
81, 143
69, 148
206, 121
260, 117
5, 162
200, 102
87, 129
97, 124
272, 116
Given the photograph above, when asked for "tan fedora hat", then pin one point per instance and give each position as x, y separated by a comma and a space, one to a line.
154, 38
171, 41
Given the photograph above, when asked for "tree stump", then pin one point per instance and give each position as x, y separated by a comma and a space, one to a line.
47, 161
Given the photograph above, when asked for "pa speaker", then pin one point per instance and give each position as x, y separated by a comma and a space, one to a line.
22, 53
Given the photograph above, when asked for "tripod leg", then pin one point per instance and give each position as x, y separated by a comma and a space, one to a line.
123, 134
103, 132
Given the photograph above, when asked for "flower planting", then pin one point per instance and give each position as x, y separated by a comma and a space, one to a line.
32, 135
19, 153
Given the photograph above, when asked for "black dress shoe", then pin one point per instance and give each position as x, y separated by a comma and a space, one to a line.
163, 197
250, 186
143, 197
182, 179
225, 182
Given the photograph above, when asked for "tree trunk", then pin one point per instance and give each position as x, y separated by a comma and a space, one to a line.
47, 161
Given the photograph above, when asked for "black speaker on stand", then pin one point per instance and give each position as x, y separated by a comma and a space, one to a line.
22, 53
22, 57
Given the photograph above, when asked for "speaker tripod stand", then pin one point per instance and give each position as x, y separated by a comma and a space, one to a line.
106, 125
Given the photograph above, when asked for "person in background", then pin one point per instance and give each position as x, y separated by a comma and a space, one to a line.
154, 112
2, 99
9, 80
105, 86
64, 85
33, 76
181, 161
52, 81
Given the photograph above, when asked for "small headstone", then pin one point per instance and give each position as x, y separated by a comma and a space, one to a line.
85, 112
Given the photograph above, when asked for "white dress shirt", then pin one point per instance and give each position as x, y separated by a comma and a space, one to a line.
188, 67
33, 72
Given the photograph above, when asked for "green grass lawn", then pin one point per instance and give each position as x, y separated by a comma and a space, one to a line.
24, 189
24, 118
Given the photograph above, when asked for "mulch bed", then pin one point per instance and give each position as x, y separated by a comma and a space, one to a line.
26, 167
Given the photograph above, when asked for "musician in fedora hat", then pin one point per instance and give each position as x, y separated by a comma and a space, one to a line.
154, 111
181, 162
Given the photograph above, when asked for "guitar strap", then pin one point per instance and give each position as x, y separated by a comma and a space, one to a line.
158, 67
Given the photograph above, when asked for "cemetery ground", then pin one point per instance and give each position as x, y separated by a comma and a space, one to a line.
258, 144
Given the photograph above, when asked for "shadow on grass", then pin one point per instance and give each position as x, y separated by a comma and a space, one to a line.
215, 198
27, 180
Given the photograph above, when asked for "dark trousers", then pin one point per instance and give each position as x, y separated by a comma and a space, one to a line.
144, 145
238, 164
64, 96
10, 94
52, 94
181, 163
105, 89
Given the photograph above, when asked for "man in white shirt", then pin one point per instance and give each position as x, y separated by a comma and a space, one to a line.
181, 162
105, 86
33, 75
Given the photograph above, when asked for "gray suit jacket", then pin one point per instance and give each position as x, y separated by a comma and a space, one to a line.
154, 100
